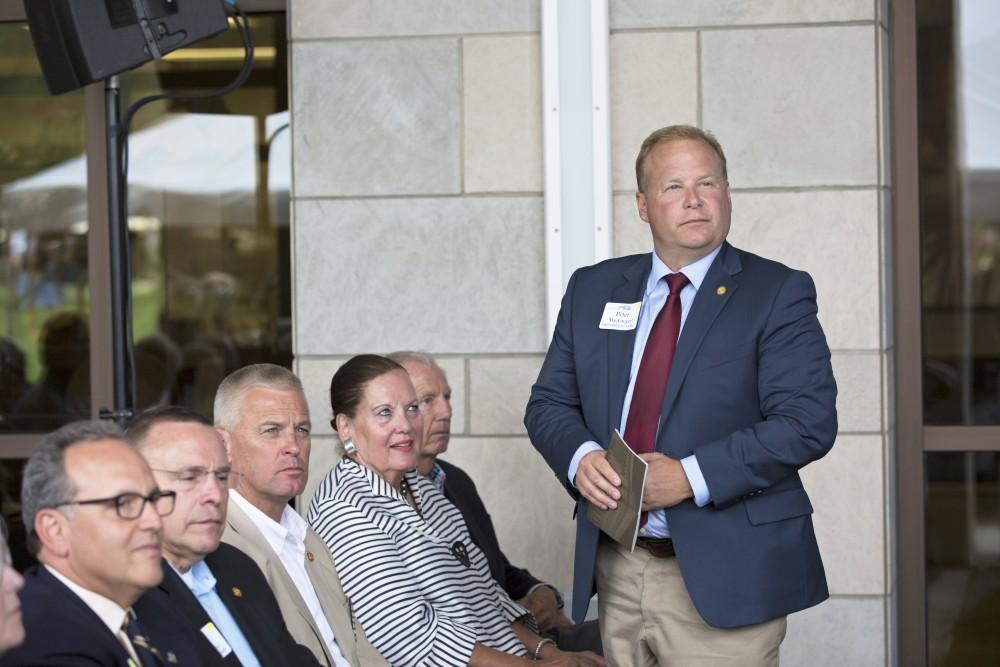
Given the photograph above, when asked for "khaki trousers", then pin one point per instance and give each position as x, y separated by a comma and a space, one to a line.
647, 618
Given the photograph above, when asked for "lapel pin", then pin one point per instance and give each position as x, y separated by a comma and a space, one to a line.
237, 592
171, 658
309, 556
720, 290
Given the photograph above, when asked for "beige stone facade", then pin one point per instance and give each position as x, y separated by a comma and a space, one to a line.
418, 222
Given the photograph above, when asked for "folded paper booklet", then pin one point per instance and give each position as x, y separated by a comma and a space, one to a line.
622, 523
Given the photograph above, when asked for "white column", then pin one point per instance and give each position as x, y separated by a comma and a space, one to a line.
577, 140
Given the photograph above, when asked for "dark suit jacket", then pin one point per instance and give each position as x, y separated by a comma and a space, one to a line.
62, 631
751, 393
461, 491
255, 610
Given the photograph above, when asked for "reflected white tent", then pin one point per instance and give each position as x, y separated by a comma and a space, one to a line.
188, 169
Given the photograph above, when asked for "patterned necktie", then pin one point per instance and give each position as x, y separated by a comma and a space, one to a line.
148, 655
654, 370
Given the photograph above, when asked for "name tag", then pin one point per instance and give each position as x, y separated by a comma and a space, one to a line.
620, 316
216, 639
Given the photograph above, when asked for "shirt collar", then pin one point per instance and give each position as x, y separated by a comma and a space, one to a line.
438, 476
107, 610
378, 485
695, 272
292, 525
199, 579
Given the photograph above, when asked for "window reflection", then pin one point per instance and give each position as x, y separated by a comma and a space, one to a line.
44, 295
963, 558
208, 216
959, 96
208, 223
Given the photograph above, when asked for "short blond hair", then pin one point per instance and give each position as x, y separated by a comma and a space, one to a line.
227, 411
669, 134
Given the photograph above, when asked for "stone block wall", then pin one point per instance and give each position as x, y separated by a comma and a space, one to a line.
418, 223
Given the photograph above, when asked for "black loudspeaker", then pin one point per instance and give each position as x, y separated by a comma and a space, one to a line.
82, 41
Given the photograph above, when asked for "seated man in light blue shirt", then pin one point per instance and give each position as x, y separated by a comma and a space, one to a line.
220, 590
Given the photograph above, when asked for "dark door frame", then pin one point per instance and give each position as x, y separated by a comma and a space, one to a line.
912, 438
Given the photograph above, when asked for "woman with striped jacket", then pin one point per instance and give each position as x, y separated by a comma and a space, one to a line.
418, 584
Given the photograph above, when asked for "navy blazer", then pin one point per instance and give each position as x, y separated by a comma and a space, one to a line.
245, 592
751, 393
62, 631
461, 491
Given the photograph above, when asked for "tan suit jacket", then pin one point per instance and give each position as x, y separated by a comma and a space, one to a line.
245, 536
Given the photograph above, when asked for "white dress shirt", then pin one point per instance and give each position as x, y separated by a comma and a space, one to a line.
654, 298
288, 541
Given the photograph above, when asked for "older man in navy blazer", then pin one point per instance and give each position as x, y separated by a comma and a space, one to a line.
712, 362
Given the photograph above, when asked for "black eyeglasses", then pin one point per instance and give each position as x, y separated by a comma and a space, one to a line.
129, 506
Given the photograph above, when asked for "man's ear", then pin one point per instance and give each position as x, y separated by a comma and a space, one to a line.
52, 528
227, 441
640, 202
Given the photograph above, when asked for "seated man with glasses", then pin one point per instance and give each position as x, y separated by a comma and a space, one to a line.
220, 591
92, 512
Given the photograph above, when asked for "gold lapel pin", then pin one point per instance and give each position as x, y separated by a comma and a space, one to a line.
720, 290
309, 556
237, 592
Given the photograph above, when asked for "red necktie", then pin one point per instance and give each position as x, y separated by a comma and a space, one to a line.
654, 370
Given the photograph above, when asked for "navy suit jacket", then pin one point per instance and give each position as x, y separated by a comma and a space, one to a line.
255, 610
751, 393
62, 631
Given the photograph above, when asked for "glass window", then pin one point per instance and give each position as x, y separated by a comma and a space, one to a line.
958, 46
959, 125
44, 294
963, 558
208, 217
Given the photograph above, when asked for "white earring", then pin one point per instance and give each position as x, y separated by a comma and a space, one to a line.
349, 447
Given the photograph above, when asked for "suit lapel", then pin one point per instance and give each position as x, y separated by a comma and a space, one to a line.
240, 523
186, 602
331, 594
181, 596
708, 303
87, 616
226, 585
621, 343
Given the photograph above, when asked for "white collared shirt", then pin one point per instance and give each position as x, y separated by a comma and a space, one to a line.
110, 613
288, 540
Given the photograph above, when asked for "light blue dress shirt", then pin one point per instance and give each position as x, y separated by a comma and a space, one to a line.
653, 301
201, 581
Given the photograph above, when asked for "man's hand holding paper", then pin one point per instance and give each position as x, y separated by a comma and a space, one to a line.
622, 521
597, 481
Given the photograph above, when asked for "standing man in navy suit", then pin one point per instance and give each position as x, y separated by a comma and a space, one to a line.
712, 362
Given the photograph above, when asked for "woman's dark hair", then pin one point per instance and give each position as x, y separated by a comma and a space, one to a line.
349, 382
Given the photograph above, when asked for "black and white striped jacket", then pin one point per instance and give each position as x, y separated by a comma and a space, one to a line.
418, 603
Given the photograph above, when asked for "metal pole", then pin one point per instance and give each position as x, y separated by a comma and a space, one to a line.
118, 237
